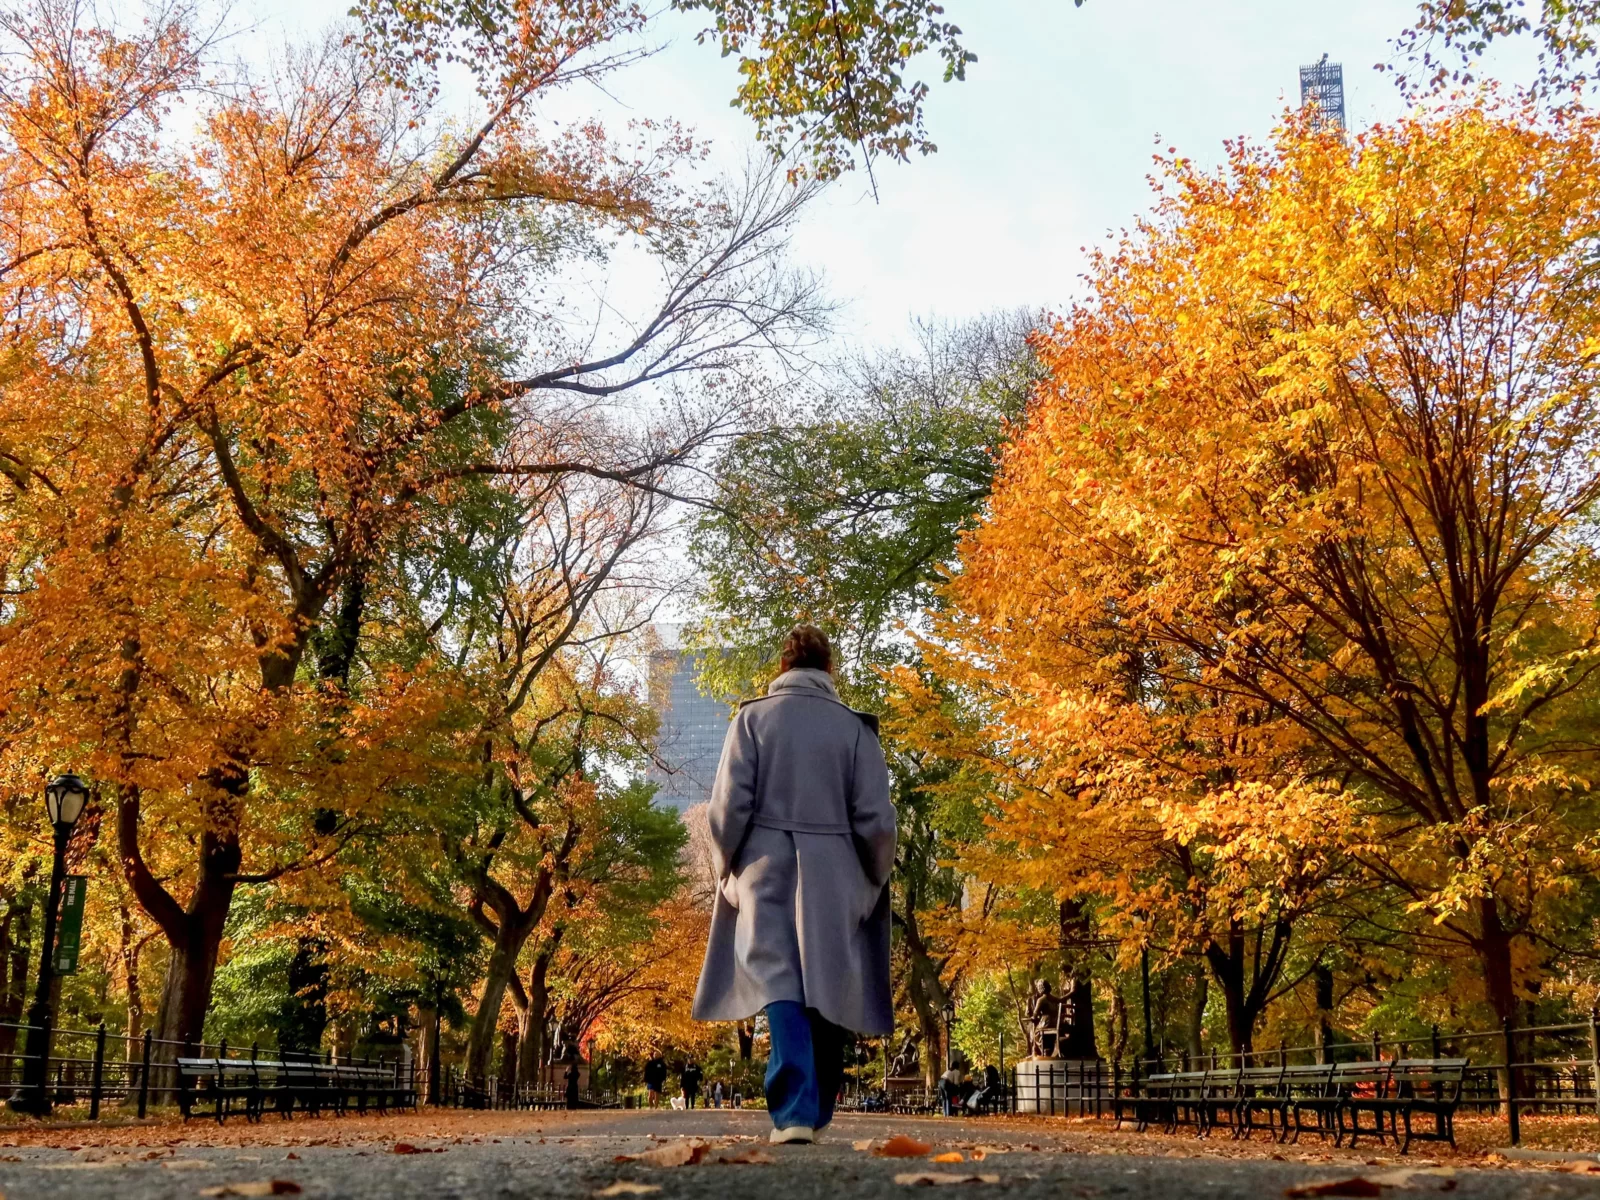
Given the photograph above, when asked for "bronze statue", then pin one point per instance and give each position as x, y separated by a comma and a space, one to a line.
906, 1062
1044, 1020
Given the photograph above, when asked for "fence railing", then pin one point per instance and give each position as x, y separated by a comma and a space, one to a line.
458, 1090
1513, 1071
99, 1069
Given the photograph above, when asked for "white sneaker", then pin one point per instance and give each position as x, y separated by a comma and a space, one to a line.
802, 1135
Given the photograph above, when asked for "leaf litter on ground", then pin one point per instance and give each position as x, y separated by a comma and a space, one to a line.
940, 1178
1432, 1179
255, 1187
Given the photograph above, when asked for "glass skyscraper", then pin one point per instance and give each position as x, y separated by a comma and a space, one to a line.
692, 727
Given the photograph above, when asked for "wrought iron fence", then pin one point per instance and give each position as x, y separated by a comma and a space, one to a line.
1513, 1071
97, 1069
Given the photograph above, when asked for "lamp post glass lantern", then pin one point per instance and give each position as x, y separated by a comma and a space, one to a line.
64, 801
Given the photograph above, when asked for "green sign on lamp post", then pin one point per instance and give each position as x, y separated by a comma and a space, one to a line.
75, 888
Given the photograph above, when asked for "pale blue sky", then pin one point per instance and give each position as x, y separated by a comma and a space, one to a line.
1042, 150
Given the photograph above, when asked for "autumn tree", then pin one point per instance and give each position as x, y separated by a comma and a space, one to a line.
242, 357
1314, 471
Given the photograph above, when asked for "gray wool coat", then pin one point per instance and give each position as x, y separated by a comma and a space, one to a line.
803, 836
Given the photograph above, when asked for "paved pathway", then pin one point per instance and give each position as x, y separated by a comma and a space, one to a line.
560, 1155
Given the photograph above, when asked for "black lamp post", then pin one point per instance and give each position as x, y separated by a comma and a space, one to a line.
64, 799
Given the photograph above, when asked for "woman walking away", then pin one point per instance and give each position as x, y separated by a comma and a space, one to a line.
803, 842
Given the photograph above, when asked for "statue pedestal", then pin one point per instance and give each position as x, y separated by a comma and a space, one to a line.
1063, 1086
553, 1077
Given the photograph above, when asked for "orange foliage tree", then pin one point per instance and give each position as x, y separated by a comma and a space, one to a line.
1290, 571
242, 353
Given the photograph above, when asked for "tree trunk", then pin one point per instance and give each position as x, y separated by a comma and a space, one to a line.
1228, 967
508, 1065
1197, 1012
1499, 984
1118, 1020
928, 997
305, 1013
510, 935
129, 951
431, 1062
16, 938
1495, 952
1323, 976
532, 1049
192, 966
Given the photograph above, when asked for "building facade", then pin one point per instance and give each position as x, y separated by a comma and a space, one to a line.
692, 726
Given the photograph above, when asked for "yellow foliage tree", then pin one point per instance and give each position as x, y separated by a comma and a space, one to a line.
1293, 557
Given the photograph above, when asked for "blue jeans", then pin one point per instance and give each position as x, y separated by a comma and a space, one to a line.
805, 1067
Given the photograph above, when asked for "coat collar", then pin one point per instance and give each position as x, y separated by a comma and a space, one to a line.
804, 679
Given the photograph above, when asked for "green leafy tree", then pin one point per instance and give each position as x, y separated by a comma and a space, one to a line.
841, 513
1462, 30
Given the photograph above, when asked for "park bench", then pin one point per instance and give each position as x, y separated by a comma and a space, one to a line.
1170, 1098
1359, 1087
245, 1085
226, 1083
1431, 1086
1310, 1089
1262, 1091
1150, 1102
1216, 1100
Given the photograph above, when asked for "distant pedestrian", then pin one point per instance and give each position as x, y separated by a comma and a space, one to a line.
572, 1085
690, 1079
803, 839
655, 1078
716, 1094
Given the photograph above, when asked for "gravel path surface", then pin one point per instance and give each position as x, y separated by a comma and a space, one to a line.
493, 1155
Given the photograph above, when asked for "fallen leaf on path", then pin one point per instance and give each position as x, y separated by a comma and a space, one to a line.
753, 1156
983, 1152
863, 1144
937, 1179
1580, 1168
674, 1154
1354, 1186
901, 1146
951, 1156
409, 1148
627, 1187
255, 1187
1432, 1179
